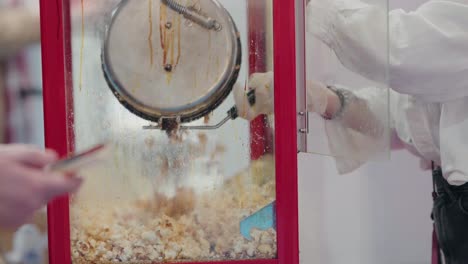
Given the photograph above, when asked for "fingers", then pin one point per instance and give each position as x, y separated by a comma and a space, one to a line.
314, 85
28, 155
55, 185
239, 94
261, 81
242, 104
38, 158
47, 186
264, 90
317, 97
24, 189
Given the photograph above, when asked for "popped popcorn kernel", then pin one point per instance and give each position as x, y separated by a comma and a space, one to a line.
208, 229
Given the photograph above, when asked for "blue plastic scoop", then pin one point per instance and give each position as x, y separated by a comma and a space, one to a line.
263, 219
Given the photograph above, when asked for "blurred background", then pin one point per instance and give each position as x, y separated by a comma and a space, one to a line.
21, 114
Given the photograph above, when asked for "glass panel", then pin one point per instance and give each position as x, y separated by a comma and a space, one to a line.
161, 198
347, 52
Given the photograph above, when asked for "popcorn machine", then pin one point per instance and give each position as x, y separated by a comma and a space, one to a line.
185, 176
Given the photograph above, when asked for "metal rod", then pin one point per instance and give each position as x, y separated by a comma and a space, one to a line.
227, 118
194, 16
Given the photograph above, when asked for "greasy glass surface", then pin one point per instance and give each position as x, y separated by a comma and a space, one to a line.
343, 52
158, 198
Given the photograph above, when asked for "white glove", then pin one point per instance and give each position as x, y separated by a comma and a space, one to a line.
262, 83
317, 97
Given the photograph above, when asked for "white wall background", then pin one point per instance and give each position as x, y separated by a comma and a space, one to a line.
378, 215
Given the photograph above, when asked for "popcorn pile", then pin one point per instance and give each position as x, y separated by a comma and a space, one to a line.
187, 227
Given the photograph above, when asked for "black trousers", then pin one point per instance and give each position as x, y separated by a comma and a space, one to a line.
450, 214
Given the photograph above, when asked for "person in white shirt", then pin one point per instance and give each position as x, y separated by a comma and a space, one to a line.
428, 75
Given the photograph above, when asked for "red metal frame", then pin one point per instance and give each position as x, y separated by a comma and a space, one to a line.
284, 28
257, 63
54, 54
56, 48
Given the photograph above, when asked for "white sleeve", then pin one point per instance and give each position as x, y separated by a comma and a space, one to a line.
350, 148
428, 47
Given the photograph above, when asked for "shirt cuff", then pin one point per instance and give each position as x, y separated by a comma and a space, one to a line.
457, 178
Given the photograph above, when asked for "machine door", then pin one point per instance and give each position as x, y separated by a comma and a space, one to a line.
337, 49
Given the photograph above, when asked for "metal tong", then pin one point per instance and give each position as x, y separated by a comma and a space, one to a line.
232, 114
79, 161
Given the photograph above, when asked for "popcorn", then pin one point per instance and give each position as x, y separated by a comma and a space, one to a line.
265, 249
206, 229
149, 236
251, 251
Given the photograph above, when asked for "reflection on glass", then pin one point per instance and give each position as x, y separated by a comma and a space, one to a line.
353, 58
163, 196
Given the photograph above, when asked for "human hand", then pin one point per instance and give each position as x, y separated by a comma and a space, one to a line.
262, 84
322, 100
317, 97
24, 184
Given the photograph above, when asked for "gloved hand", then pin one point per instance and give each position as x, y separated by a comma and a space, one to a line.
318, 96
262, 83
320, 99
25, 186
